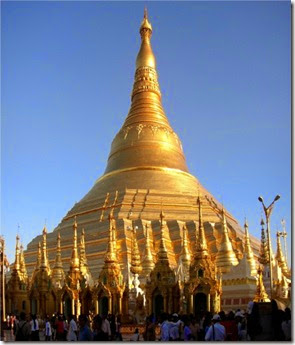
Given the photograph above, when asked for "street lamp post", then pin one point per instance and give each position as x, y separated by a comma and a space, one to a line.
267, 212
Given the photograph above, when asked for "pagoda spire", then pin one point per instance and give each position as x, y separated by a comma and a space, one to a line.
162, 253
83, 259
57, 271
111, 250
280, 256
38, 262
17, 255
135, 255
248, 250
261, 295
201, 243
146, 121
263, 254
185, 254
22, 263
148, 262
225, 258
75, 262
44, 259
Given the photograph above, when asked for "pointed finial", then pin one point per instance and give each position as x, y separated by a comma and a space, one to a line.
17, 255
280, 256
146, 27
248, 251
226, 257
75, 258
148, 262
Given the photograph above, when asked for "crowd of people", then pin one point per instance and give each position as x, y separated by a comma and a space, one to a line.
234, 326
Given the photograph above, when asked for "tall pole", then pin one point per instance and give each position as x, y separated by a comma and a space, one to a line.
267, 212
284, 234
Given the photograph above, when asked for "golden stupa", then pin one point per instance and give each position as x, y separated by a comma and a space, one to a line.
146, 176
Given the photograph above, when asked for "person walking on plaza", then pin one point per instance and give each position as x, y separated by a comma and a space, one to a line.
150, 329
85, 333
48, 330
106, 326
34, 328
165, 328
216, 331
72, 330
23, 329
60, 329
98, 333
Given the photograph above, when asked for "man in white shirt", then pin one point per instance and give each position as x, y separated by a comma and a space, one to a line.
72, 331
165, 328
48, 332
216, 331
105, 326
175, 327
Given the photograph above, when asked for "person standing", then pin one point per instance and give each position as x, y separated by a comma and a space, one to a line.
72, 330
23, 329
34, 328
60, 329
165, 328
48, 331
216, 331
106, 326
150, 329
85, 333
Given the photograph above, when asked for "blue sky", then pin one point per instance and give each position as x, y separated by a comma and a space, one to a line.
67, 75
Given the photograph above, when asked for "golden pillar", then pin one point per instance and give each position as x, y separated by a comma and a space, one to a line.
191, 303
78, 307
110, 304
73, 306
96, 305
208, 302
60, 307
120, 304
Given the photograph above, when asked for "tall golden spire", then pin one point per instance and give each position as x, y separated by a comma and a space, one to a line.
38, 262
146, 128
261, 295
225, 258
263, 254
201, 243
83, 259
22, 263
148, 262
162, 253
185, 254
135, 255
145, 57
75, 263
280, 256
44, 259
111, 250
57, 271
248, 251
17, 255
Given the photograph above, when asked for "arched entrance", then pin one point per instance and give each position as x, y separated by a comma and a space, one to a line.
200, 302
67, 302
33, 306
87, 303
158, 303
103, 305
